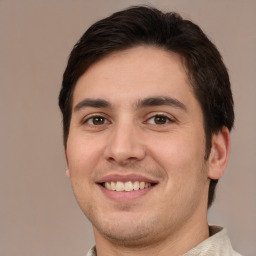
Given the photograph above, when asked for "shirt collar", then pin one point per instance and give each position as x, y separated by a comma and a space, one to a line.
217, 244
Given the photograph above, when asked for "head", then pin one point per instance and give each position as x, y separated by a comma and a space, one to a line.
143, 26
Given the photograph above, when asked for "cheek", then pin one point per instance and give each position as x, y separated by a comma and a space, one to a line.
178, 153
83, 154
182, 160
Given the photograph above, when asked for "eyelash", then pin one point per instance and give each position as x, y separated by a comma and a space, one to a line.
167, 119
106, 120
87, 120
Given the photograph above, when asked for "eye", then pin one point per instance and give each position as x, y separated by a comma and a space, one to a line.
159, 120
96, 120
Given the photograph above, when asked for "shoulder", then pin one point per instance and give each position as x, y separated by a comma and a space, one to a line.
218, 244
92, 252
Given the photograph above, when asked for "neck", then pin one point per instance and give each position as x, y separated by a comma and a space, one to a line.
178, 243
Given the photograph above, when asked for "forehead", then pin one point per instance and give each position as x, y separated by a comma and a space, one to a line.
142, 71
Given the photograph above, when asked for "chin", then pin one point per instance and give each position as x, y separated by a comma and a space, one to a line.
128, 238
125, 231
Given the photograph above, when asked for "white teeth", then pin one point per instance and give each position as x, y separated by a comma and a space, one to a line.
142, 185
136, 185
119, 186
113, 185
126, 186
107, 185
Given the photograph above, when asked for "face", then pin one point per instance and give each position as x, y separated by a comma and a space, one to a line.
136, 147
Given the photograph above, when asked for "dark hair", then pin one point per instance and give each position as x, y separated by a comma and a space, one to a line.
148, 26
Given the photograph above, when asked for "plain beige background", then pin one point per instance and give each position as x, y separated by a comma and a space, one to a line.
38, 213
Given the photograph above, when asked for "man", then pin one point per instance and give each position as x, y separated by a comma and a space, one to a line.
147, 112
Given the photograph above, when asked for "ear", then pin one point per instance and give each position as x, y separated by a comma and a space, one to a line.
219, 153
66, 156
67, 171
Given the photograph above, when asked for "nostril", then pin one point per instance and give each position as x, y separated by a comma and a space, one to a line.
132, 158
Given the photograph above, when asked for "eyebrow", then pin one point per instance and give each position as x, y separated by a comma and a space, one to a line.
141, 103
94, 103
160, 101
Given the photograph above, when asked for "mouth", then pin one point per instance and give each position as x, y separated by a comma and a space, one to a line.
127, 186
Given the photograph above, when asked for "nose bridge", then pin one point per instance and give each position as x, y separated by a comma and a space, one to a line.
125, 143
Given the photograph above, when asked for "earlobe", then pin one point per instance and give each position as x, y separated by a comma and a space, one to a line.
66, 156
219, 153
68, 174
67, 171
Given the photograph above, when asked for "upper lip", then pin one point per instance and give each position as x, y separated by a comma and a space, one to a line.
125, 178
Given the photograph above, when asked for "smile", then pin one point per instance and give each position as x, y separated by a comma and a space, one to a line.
123, 188
126, 186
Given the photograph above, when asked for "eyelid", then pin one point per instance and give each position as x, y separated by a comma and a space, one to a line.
89, 116
170, 118
157, 113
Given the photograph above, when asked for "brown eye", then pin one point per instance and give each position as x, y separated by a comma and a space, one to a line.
160, 119
96, 120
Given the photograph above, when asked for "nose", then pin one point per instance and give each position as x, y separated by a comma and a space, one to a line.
125, 145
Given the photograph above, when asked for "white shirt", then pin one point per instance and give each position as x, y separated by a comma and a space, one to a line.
218, 244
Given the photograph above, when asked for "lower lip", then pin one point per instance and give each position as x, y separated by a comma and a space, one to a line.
125, 195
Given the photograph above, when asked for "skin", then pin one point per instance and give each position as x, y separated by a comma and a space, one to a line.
164, 144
